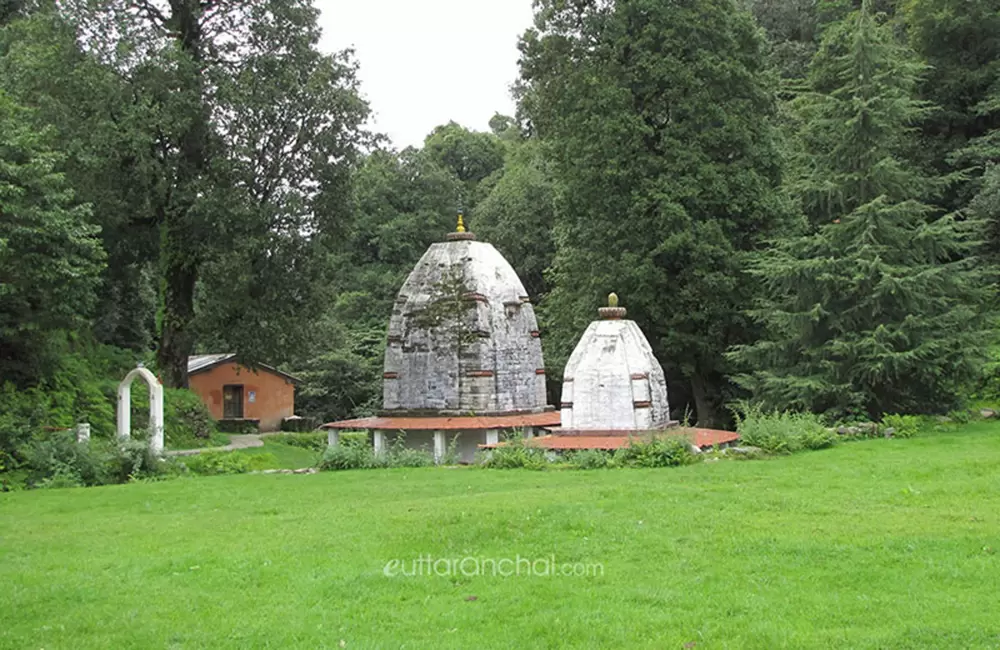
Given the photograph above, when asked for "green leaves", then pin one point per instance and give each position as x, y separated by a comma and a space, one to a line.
879, 304
656, 121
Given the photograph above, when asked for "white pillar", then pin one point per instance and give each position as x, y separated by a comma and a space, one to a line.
440, 446
492, 436
379, 442
155, 416
83, 432
332, 437
125, 410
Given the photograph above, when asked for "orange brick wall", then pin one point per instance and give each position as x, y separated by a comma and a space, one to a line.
275, 397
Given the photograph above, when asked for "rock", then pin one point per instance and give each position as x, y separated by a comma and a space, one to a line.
305, 470
888, 432
943, 419
987, 413
695, 449
744, 451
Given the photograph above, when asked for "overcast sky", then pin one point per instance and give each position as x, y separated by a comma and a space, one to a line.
424, 62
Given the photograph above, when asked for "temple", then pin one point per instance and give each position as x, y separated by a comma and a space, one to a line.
463, 358
612, 381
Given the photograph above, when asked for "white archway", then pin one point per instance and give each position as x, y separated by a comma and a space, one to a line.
155, 408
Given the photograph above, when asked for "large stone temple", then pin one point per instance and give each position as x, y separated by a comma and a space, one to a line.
463, 357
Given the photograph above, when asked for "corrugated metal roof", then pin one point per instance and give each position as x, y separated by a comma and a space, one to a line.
446, 423
202, 361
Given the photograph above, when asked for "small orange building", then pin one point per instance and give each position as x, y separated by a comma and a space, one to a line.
264, 396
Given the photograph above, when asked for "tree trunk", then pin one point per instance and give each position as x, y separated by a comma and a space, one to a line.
703, 406
176, 337
181, 247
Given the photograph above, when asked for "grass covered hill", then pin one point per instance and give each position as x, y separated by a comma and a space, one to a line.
873, 544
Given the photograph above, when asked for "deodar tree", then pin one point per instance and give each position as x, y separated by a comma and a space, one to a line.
656, 118
877, 306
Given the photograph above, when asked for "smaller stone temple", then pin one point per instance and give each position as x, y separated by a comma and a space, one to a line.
612, 381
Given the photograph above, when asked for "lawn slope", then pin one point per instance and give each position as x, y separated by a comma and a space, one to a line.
876, 544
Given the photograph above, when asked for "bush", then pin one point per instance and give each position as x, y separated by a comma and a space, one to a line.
187, 424
56, 459
660, 451
399, 455
590, 459
354, 452
904, 426
215, 463
515, 453
781, 433
350, 454
239, 426
316, 441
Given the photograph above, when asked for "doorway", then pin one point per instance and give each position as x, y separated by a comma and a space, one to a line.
232, 401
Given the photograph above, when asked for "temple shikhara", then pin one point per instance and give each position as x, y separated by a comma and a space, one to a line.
464, 364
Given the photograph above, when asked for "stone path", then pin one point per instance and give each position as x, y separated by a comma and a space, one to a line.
236, 441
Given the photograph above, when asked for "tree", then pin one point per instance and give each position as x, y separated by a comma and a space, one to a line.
958, 40
104, 133
50, 255
656, 118
516, 215
470, 156
249, 134
877, 307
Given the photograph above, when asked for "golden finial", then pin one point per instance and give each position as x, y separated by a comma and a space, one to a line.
461, 224
612, 311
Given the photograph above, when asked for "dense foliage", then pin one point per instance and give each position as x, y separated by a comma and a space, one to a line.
799, 202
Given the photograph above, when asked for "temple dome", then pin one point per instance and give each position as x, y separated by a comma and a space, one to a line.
612, 380
463, 337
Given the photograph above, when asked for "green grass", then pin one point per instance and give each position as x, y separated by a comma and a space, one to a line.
873, 544
278, 455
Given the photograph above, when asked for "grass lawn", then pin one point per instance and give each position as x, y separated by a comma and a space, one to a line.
277, 455
875, 544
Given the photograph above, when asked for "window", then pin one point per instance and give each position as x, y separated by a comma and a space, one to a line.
232, 401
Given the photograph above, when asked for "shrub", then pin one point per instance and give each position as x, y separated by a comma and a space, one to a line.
315, 440
515, 453
904, 426
660, 451
130, 460
187, 424
590, 459
399, 455
239, 426
781, 432
214, 463
56, 459
350, 454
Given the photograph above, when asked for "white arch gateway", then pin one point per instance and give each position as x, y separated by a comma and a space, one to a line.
155, 408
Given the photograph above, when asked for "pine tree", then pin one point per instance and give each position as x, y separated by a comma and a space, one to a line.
877, 307
655, 119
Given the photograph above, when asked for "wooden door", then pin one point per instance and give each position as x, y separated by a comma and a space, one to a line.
232, 401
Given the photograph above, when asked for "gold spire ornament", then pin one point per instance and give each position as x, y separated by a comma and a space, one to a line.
460, 234
612, 311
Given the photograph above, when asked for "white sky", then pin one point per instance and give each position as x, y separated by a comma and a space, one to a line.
425, 62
